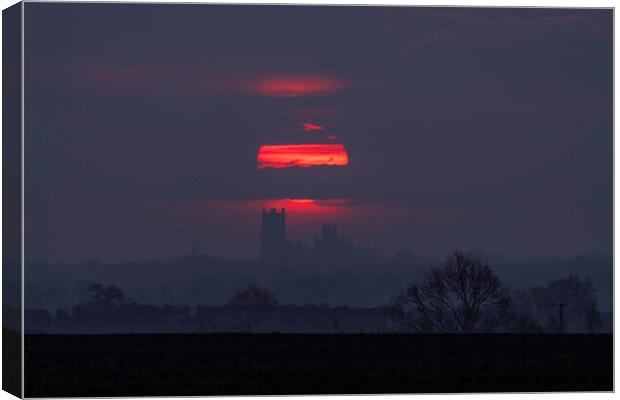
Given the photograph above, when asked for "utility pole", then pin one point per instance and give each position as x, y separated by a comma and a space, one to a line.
561, 310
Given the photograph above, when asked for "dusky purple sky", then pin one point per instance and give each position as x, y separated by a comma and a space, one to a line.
473, 128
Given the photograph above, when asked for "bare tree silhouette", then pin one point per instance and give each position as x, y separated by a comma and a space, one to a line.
103, 304
462, 294
253, 303
580, 296
594, 322
254, 297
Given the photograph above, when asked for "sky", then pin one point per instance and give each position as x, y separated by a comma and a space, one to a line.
151, 127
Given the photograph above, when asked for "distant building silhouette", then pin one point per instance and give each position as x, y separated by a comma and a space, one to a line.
329, 234
273, 243
327, 250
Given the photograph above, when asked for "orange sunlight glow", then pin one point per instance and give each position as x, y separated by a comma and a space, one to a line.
301, 155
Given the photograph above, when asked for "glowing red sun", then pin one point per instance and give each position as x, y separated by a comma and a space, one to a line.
301, 155
308, 205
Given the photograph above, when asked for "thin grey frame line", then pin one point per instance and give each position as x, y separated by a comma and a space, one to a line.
320, 395
23, 210
198, 2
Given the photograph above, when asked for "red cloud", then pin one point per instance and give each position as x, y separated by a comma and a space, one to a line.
148, 78
301, 155
298, 85
311, 127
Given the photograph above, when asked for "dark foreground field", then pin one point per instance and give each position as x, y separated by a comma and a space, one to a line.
217, 364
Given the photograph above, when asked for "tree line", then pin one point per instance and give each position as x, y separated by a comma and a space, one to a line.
461, 294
